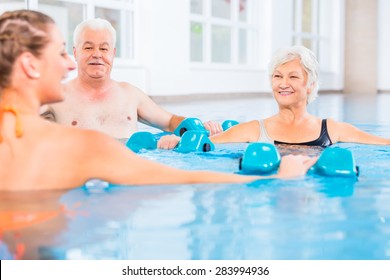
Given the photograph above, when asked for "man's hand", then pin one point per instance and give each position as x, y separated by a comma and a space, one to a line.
168, 142
213, 127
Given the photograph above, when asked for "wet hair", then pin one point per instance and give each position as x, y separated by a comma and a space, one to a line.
94, 24
21, 31
307, 60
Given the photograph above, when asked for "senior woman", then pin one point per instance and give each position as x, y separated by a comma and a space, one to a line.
294, 80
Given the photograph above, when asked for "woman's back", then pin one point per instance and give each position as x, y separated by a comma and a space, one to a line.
43, 158
46, 155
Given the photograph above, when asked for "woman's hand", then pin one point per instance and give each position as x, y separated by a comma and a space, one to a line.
295, 166
213, 127
168, 142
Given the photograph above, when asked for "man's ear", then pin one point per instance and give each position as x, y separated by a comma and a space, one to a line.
30, 65
114, 51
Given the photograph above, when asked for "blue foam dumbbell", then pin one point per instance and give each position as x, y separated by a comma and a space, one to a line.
228, 124
194, 141
141, 140
190, 124
264, 158
336, 162
260, 158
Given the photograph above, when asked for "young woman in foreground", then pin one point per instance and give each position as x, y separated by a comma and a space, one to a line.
36, 154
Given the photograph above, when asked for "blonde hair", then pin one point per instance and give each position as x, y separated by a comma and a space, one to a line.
21, 31
308, 61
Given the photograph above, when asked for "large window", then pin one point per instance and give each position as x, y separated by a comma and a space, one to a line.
306, 24
224, 32
69, 13
314, 29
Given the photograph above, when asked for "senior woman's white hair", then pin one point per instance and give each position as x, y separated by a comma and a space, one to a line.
94, 24
308, 61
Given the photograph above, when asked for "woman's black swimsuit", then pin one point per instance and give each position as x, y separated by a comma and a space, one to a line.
323, 140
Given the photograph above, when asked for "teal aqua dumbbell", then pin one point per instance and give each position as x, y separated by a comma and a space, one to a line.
260, 158
194, 141
141, 140
264, 158
190, 124
336, 162
228, 124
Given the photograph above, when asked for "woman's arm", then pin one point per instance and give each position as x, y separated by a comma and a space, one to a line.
345, 132
109, 160
240, 133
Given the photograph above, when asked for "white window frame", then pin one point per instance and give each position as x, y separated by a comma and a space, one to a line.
327, 38
123, 6
251, 25
314, 35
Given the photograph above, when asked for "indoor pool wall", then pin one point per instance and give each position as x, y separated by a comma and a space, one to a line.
314, 217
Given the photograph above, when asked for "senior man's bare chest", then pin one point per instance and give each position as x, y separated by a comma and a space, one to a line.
114, 110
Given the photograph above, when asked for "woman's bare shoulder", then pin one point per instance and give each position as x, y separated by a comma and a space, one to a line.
74, 138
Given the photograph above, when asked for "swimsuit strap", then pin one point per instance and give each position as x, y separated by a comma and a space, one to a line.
264, 137
18, 124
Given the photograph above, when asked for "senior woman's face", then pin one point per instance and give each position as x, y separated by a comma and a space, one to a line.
289, 83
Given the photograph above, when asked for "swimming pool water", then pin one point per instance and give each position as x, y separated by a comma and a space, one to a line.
313, 217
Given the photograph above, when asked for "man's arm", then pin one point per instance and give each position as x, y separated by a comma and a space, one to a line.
152, 114
174, 122
47, 113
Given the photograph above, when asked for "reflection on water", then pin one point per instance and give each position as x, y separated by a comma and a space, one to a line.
29, 221
285, 149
